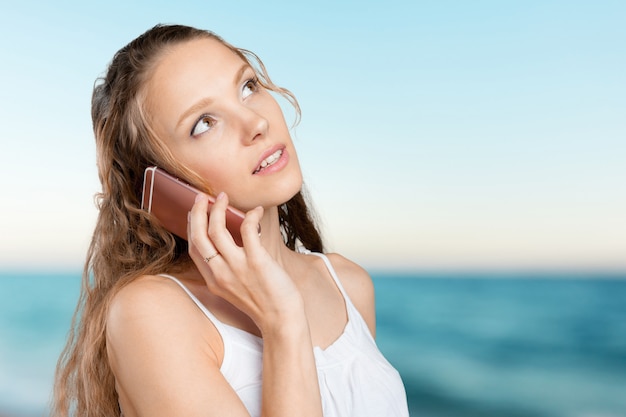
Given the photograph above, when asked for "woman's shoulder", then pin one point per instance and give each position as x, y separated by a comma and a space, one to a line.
150, 309
144, 297
350, 273
358, 285
160, 349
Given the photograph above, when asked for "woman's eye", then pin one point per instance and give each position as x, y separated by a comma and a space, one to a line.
251, 86
203, 125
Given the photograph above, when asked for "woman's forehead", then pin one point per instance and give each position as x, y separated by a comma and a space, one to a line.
197, 55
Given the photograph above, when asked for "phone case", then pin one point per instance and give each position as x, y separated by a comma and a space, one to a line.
170, 199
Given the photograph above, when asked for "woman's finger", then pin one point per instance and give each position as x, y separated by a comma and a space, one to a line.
251, 229
218, 233
200, 246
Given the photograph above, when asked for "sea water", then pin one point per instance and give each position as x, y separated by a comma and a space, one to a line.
465, 344
507, 346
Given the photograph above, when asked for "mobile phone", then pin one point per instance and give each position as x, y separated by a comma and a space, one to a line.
169, 200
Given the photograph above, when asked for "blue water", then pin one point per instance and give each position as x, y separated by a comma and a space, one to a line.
465, 345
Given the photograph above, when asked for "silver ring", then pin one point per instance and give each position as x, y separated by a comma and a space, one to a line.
208, 258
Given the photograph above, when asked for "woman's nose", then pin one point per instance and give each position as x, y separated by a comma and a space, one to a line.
253, 124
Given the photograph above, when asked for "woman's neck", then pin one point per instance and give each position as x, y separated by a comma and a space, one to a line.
272, 238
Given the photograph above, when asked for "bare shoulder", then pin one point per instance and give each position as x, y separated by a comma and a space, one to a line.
138, 297
164, 356
148, 299
359, 286
150, 310
354, 278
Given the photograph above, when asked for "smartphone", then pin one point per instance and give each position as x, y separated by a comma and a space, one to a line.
169, 200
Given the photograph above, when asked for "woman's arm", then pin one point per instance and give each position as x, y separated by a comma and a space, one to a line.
290, 386
250, 279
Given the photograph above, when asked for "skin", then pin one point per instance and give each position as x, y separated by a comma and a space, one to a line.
289, 299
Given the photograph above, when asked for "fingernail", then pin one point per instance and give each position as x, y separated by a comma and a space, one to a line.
220, 195
198, 197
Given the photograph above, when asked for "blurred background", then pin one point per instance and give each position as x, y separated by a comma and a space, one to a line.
471, 155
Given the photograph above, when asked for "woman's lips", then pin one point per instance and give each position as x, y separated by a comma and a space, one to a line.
273, 160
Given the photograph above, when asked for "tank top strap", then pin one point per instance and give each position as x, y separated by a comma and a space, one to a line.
218, 324
356, 332
331, 271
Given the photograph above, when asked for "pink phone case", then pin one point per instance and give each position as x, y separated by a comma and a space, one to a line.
170, 199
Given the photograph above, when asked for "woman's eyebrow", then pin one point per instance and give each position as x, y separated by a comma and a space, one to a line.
208, 100
194, 109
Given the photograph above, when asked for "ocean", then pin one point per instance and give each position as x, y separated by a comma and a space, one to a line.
466, 345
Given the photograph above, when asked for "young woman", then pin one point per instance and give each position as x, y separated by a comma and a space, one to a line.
166, 327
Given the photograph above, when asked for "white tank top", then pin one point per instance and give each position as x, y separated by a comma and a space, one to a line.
355, 379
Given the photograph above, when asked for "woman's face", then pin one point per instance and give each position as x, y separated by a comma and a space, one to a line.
206, 105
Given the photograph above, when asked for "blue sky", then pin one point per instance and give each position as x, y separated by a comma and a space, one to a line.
435, 134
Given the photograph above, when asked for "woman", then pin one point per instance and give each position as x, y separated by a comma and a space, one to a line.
166, 327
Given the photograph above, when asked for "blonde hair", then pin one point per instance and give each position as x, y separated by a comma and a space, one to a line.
126, 242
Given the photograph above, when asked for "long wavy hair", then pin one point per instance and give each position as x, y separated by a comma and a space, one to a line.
127, 243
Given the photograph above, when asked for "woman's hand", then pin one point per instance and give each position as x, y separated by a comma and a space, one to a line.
247, 277
251, 280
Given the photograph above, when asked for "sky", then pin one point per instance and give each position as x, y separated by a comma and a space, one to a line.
435, 135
